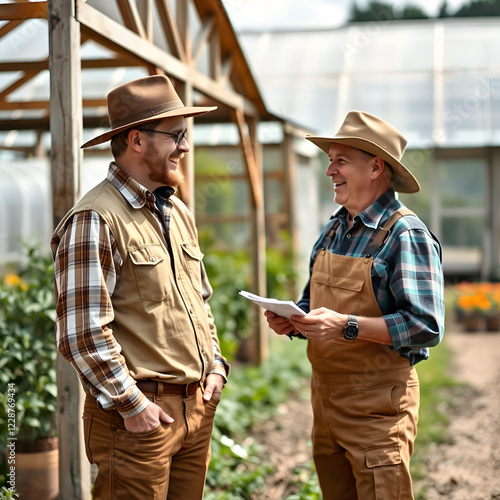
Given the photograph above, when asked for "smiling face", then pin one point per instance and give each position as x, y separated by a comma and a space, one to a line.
161, 156
356, 177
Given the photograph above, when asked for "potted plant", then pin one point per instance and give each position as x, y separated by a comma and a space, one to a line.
477, 306
28, 374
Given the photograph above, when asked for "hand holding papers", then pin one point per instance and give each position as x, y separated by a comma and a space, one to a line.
284, 308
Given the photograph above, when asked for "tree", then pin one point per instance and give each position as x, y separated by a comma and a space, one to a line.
413, 12
443, 10
375, 11
479, 8
380, 11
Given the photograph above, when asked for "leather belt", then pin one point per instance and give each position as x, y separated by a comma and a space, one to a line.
159, 388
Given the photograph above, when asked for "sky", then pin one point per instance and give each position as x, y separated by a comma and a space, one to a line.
279, 14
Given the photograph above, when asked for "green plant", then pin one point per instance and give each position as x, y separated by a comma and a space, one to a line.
252, 395
6, 494
27, 350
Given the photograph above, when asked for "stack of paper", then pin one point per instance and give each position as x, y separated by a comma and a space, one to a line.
284, 308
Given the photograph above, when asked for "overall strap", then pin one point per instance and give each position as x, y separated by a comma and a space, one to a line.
382, 233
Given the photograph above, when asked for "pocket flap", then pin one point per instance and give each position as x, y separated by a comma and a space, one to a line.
147, 256
383, 456
337, 281
192, 249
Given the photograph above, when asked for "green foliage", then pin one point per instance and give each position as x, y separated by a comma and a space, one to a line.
5, 494
27, 349
382, 11
229, 272
252, 395
479, 8
307, 481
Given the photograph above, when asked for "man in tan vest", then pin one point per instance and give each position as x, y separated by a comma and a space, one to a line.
132, 307
375, 305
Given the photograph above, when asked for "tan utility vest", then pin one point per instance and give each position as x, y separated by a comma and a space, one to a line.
160, 318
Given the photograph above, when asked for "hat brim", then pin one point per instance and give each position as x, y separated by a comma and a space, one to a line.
186, 112
403, 182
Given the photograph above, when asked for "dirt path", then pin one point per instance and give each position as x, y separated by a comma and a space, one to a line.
466, 469
469, 468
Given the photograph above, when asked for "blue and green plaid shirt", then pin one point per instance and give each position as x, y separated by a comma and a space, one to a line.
407, 274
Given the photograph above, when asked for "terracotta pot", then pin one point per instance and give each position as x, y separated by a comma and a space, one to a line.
492, 323
473, 323
37, 472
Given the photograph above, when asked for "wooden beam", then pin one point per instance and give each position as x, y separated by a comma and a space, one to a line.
13, 105
37, 66
170, 29
225, 70
202, 38
145, 9
215, 56
66, 160
131, 17
18, 83
182, 8
8, 27
253, 161
249, 158
23, 10
120, 39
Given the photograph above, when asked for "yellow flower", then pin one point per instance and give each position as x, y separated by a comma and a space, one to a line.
15, 280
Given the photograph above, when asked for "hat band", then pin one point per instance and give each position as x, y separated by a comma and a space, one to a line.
147, 113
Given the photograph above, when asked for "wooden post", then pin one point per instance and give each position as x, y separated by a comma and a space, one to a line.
253, 161
66, 160
185, 91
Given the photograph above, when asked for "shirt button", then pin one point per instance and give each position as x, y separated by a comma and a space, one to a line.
152, 259
348, 236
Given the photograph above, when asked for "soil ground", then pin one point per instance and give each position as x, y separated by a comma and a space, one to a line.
465, 468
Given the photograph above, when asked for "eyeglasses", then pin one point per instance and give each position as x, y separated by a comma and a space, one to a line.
179, 137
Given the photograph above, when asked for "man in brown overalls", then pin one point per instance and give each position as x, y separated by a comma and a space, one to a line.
375, 305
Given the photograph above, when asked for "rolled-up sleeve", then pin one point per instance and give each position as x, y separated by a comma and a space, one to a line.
416, 283
86, 266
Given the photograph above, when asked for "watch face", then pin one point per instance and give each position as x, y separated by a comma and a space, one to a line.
350, 332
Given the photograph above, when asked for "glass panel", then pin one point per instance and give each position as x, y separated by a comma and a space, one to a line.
273, 194
462, 183
471, 46
409, 107
466, 108
419, 163
272, 158
229, 235
371, 48
462, 231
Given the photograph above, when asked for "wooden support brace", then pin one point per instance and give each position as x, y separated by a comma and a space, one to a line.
246, 145
131, 17
170, 29
23, 10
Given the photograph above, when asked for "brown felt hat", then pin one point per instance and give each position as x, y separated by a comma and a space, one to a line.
141, 101
369, 133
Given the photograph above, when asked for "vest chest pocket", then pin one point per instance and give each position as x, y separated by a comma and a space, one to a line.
192, 262
151, 268
341, 294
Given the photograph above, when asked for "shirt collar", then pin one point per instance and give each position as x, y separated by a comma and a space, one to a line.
374, 214
136, 194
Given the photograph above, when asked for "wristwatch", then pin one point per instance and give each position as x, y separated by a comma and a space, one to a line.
351, 329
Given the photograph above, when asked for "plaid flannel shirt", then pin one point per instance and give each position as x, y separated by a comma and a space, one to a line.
407, 273
87, 267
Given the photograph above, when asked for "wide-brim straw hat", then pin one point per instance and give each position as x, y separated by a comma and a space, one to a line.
369, 133
141, 101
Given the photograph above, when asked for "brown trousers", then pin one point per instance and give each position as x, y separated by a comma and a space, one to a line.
365, 397
169, 462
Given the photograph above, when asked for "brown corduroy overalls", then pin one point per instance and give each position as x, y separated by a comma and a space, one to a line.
365, 396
